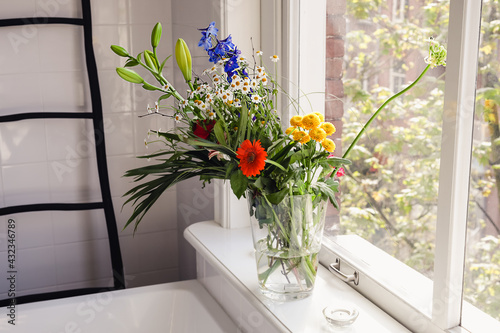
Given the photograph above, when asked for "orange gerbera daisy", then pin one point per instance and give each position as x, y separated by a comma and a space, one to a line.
252, 158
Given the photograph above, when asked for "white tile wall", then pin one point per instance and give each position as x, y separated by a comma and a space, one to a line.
46, 160
23, 142
20, 93
20, 52
60, 8
25, 183
60, 48
9, 9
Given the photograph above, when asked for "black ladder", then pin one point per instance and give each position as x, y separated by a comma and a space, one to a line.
97, 118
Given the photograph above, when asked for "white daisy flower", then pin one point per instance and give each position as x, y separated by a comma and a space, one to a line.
227, 96
149, 109
256, 98
156, 108
209, 97
217, 80
245, 88
242, 60
210, 70
259, 53
260, 70
202, 106
254, 84
274, 58
263, 79
211, 115
177, 118
183, 104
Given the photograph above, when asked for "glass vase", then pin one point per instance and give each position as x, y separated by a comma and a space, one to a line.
287, 239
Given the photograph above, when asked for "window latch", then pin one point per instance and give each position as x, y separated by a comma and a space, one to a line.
335, 269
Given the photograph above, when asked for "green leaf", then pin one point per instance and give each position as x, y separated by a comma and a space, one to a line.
243, 123
275, 164
119, 51
276, 197
229, 170
297, 156
337, 161
239, 183
164, 97
129, 75
219, 133
131, 63
163, 63
156, 35
148, 86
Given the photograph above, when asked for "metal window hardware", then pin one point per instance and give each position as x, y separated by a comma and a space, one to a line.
335, 269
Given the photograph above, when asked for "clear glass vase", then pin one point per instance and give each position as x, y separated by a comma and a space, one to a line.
287, 239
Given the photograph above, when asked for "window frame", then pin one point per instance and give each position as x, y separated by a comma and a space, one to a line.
295, 25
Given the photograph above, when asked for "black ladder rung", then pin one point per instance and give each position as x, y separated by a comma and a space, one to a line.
46, 115
40, 20
50, 206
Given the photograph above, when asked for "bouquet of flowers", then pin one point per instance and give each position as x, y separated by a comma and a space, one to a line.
228, 128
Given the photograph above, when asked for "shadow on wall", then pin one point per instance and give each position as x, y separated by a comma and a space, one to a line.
195, 204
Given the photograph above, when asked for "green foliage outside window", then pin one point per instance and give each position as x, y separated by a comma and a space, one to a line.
390, 196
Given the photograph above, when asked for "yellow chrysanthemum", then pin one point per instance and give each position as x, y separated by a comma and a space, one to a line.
305, 139
488, 104
290, 130
296, 121
329, 128
299, 135
321, 117
310, 121
317, 134
329, 145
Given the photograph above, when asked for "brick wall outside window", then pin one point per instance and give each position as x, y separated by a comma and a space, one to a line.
334, 87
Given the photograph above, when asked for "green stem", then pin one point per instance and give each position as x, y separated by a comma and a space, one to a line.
380, 109
277, 220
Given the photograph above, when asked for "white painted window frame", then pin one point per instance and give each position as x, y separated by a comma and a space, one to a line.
442, 310
296, 31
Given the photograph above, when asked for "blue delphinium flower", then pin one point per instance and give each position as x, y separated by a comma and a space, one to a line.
231, 64
223, 49
206, 36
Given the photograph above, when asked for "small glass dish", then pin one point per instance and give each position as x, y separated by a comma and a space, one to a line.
340, 316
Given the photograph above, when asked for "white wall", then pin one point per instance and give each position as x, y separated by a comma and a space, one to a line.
42, 69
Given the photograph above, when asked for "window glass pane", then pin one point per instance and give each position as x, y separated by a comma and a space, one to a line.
482, 271
389, 194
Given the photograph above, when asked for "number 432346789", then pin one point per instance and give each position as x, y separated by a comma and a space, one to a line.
11, 244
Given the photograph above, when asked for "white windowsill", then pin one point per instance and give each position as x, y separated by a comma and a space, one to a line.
230, 251
401, 281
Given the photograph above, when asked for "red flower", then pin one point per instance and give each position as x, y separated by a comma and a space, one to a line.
252, 158
202, 129
340, 172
